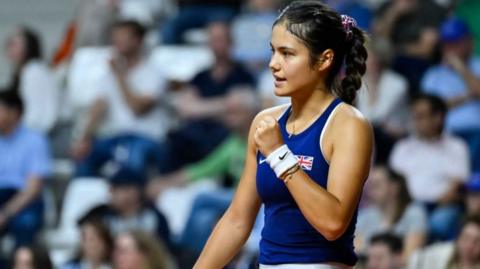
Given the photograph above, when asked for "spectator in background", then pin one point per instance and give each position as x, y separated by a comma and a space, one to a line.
96, 246
457, 80
251, 31
391, 210
197, 14
24, 165
224, 163
33, 80
463, 253
202, 105
385, 252
127, 108
128, 209
468, 11
434, 163
138, 250
34, 257
472, 199
411, 26
383, 98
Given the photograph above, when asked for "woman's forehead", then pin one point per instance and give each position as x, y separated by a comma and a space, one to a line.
281, 37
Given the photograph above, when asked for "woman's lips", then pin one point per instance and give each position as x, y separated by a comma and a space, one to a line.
279, 82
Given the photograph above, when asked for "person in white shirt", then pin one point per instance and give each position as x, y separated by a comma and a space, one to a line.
434, 163
383, 98
33, 80
127, 106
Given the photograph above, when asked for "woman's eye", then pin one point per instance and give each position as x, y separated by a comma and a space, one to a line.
286, 53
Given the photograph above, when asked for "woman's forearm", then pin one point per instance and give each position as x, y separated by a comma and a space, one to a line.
225, 242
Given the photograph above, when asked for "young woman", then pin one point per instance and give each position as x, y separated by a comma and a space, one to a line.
307, 162
32, 80
33, 257
96, 246
139, 250
390, 209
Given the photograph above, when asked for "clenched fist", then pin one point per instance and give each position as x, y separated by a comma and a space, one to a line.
268, 136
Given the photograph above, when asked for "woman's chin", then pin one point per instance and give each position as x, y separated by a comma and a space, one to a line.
281, 91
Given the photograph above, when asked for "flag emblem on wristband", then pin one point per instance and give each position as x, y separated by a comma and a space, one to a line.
305, 162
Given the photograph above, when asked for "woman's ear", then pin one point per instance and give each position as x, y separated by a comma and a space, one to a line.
325, 60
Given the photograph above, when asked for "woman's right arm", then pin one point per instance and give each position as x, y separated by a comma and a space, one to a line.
235, 226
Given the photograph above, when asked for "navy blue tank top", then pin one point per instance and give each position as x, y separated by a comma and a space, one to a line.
287, 237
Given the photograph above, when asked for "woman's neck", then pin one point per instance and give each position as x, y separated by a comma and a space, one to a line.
309, 105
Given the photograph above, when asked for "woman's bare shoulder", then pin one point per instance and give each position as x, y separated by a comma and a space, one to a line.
348, 118
275, 112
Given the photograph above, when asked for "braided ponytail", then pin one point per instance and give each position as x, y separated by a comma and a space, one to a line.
355, 67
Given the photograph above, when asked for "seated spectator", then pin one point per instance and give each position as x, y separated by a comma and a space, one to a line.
33, 80
225, 162
127, 108
457, 80
251, 31
138, 250
228, 158
128, 208
412, 27
463, 253
24, 165
391, 210
468, 10
194, 14
96, 246
383, 98
202, 105
434, 163
385, 252
35, 257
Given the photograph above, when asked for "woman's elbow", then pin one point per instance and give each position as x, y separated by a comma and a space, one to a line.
332, 230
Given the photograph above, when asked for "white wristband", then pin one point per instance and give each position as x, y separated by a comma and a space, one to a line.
281, 159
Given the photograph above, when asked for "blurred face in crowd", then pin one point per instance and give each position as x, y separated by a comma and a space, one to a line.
219, 40
126, 254
23, 259
380, 188
262, 5
427, 124
468, 243
473, 203
381, 257
462, 48
124, 197
93, 247
16, 48
240, 110
125, 42
8, 119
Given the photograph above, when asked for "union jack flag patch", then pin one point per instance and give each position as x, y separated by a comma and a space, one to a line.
305, 162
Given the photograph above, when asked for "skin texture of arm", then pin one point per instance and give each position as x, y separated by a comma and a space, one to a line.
140, 105
22, 199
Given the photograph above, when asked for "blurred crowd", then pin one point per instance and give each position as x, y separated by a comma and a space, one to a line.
143, 110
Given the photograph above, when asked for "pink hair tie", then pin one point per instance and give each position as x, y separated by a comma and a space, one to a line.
348, 23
